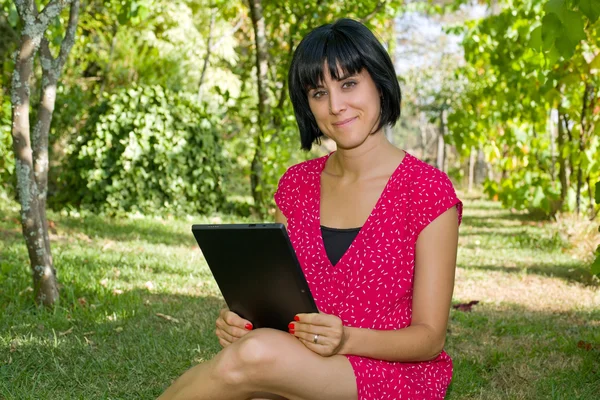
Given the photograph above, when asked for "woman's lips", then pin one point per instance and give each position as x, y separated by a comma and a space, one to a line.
344, 122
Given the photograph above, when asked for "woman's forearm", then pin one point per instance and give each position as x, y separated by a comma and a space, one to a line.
410, 344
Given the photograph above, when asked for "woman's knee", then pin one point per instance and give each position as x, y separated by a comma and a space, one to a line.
252, 357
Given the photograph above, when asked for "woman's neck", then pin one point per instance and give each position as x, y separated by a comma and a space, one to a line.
372, 158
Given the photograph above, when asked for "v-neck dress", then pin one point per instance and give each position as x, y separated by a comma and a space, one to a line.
371, 286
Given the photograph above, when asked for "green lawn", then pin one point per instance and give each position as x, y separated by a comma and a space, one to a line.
107, 339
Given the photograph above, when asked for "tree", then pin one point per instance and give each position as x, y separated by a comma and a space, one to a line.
31, 148
532, 100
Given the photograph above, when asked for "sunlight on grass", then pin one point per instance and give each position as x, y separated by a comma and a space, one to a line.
138, 305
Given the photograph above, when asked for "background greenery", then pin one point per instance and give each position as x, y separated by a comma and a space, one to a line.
157, 126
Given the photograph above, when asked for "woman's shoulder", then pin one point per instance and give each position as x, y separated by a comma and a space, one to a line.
424, 174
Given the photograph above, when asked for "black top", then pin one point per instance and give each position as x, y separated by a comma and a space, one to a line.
337, 241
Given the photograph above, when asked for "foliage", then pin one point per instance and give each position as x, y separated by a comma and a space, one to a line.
596, 264
7, 158
532, 102
8, 24
144, 149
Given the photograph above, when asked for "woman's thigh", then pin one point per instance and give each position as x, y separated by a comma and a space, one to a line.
276, 363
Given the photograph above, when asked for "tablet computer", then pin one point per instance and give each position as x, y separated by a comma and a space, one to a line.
257, 271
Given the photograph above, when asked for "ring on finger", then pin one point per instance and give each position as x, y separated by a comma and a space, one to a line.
315, 339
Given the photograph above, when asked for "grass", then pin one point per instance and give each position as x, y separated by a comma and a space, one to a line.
111, 338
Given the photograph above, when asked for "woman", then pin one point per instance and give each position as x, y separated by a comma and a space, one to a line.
376, 233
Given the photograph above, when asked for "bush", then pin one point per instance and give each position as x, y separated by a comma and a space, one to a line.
533, 191
7, 158
146, 150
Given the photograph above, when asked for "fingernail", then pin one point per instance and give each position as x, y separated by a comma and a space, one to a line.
249, 326
296, 318
291, 325
292, 331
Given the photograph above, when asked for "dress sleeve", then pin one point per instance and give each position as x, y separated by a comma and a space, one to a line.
433, 194
285, 194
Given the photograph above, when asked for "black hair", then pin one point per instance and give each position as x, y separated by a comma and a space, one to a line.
348, 47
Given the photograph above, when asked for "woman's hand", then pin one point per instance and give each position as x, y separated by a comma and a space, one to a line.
231, 327
322, 333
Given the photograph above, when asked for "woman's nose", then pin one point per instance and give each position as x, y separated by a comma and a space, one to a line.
337, 103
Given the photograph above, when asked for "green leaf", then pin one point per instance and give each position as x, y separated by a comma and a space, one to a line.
565, 47
538, 197
591, 9
552, 57
535, 39
556, 7
597, 192
552, 28
596, 264
573, 23
595, 64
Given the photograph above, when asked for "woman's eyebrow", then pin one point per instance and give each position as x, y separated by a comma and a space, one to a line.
341, 78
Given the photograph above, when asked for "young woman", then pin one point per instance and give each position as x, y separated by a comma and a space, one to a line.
376, 233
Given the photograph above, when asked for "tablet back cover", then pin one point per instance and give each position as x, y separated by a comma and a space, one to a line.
257, 271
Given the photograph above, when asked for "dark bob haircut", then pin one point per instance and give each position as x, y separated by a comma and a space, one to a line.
352, 47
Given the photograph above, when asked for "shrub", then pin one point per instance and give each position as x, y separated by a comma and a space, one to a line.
145, 149
7, 158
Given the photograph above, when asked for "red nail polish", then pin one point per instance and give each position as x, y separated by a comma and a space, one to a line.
296, 318
292, 331
249, 326
291, 325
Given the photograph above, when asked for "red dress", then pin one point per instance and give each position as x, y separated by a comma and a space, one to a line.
371, 285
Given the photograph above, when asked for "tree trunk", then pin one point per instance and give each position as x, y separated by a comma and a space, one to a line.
211, 26
423, 136
562, 162
111, 51
591, 197
472, 159
31, 150
582, 133
260, 40
441, 154
481, 167
552, 132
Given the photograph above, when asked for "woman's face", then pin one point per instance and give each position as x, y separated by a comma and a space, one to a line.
346, 110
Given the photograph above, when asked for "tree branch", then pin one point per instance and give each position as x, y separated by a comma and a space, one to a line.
26, 9
51, 11
231, 32
377, 8
69, 39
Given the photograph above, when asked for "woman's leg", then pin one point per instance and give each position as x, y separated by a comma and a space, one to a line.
267, 361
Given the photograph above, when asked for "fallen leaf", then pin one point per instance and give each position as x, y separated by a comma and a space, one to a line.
167, 317
119, 329
149, 285
82, 301
26, 290
104, 282
465, 307
117, 291
586, 345
13, 346
52, 226
70, 330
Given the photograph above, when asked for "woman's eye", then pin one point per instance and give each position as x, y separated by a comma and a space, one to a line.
317, 94
348, 84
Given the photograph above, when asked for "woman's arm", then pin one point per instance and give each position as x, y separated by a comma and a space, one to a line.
435, 264
279, 217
